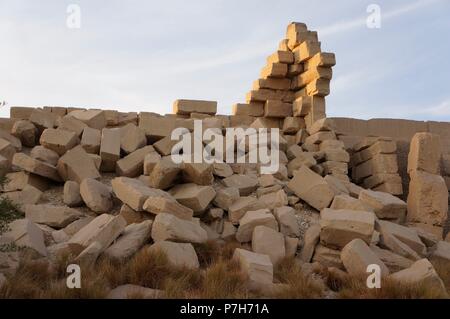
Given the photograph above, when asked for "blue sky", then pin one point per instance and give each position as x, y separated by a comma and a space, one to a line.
142, 55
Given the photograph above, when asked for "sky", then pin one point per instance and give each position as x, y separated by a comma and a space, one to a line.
141, 55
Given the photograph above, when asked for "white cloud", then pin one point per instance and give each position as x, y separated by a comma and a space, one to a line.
349, 25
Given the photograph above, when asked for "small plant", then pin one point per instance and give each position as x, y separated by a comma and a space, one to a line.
8, 213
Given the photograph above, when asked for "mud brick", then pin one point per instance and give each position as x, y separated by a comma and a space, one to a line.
278, 109
194, 106
109, 149
271, 83
321, 59
306, 50
281, 57
309, 76
274, 70
252, 109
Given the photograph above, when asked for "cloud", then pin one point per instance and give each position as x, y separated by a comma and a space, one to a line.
350, 25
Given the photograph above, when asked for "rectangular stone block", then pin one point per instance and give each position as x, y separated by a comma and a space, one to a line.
77, 165
306, 50
321, 59
277, 109
306, 77
91, 139
252, 109
281, 57
194, 106
132, 165
272, 83
274, 70
109, 149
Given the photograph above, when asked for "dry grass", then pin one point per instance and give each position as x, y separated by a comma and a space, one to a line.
224, 280
221, 278
444, 272
289, 272
356, 288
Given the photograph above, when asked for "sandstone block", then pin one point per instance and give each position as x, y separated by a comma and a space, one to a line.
50, 215
384, 205
130, 241
258, 267
160, 201
245, 184
250, 220
425, 153
194, 196
58, 140
104, 229
92, 118
72, 196
150, 161
225, 197
269, 242
274, 70
96, 195
312, 188
25, 131
91, 140
171, 228
427, 198
132, 165
406, 235
164, 173
357, 256
72, 124
25, 233
109, 149
45, 155
132, 138
339, 227
277, 109
198, 173
37, 167
76, 165
421, 272
311, 239
178, 254
194, 106
131, 191
288, 222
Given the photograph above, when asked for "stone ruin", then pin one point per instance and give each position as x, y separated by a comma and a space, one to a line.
99, 182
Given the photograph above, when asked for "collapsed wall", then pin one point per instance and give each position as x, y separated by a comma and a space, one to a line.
101, 182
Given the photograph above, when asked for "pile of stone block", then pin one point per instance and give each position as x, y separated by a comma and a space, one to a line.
374, 165
290, 93
103, 183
